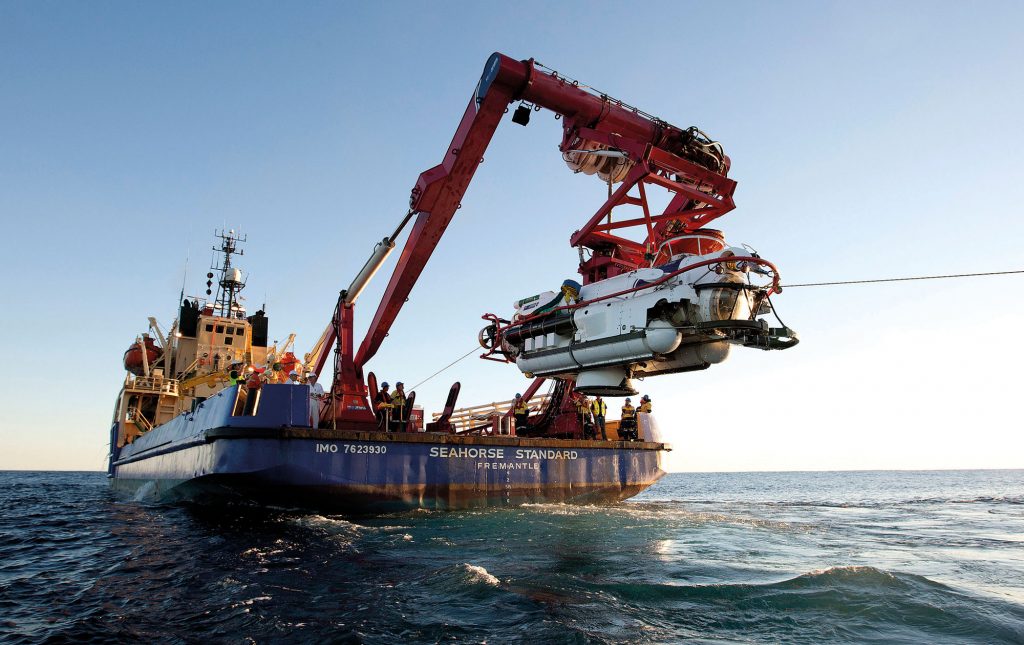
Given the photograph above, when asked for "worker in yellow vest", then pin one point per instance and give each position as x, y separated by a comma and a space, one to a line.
520, 411
398, 401
599, 409
645, 404
583, 415
627, 425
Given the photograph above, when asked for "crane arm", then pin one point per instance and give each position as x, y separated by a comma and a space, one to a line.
595, 126
435, 198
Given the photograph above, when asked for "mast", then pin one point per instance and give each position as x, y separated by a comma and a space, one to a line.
231, 283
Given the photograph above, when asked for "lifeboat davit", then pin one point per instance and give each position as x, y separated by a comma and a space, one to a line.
133, 356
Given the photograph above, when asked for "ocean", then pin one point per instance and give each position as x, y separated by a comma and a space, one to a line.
829, 557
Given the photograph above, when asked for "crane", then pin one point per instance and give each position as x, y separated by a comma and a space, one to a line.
275, 353
603, 136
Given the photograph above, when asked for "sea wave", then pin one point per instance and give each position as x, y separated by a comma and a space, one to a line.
747, 564
871, 504
332, 524
668, 511
475, 574
863, 603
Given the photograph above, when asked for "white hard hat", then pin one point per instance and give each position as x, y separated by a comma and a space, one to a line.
293, 373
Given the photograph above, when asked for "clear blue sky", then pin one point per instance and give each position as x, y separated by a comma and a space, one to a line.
868, 139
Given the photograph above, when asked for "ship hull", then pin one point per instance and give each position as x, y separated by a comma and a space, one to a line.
381, 472
208, 457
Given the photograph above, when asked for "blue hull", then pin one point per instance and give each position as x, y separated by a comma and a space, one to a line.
276, 458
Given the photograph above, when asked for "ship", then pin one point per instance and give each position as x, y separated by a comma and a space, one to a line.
213, 411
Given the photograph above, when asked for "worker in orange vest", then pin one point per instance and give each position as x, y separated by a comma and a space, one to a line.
253, 383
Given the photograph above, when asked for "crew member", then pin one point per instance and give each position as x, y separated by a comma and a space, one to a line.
293, 378
399, 418
520, 411
277, 374
253, 383
645, 405
316, 395
599, 408
382, 407
627, 425
583, 415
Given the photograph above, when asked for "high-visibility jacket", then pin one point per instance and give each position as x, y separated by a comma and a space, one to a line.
398, 403
645, 407
628, 411
520, 408
383, 400
599, 408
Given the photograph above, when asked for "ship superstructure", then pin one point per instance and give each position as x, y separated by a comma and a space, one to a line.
212, 344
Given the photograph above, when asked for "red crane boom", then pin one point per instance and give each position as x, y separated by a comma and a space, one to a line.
600, 134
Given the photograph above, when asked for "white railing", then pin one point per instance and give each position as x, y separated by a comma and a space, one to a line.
464, 418
157, 384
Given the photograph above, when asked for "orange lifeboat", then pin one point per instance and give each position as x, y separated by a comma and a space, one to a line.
288, 362
133, 356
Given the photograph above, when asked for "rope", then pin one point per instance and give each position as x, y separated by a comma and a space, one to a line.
923, 277
476, 348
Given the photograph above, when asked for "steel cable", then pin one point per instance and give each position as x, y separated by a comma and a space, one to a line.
790, 286
923, 277
476, 348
